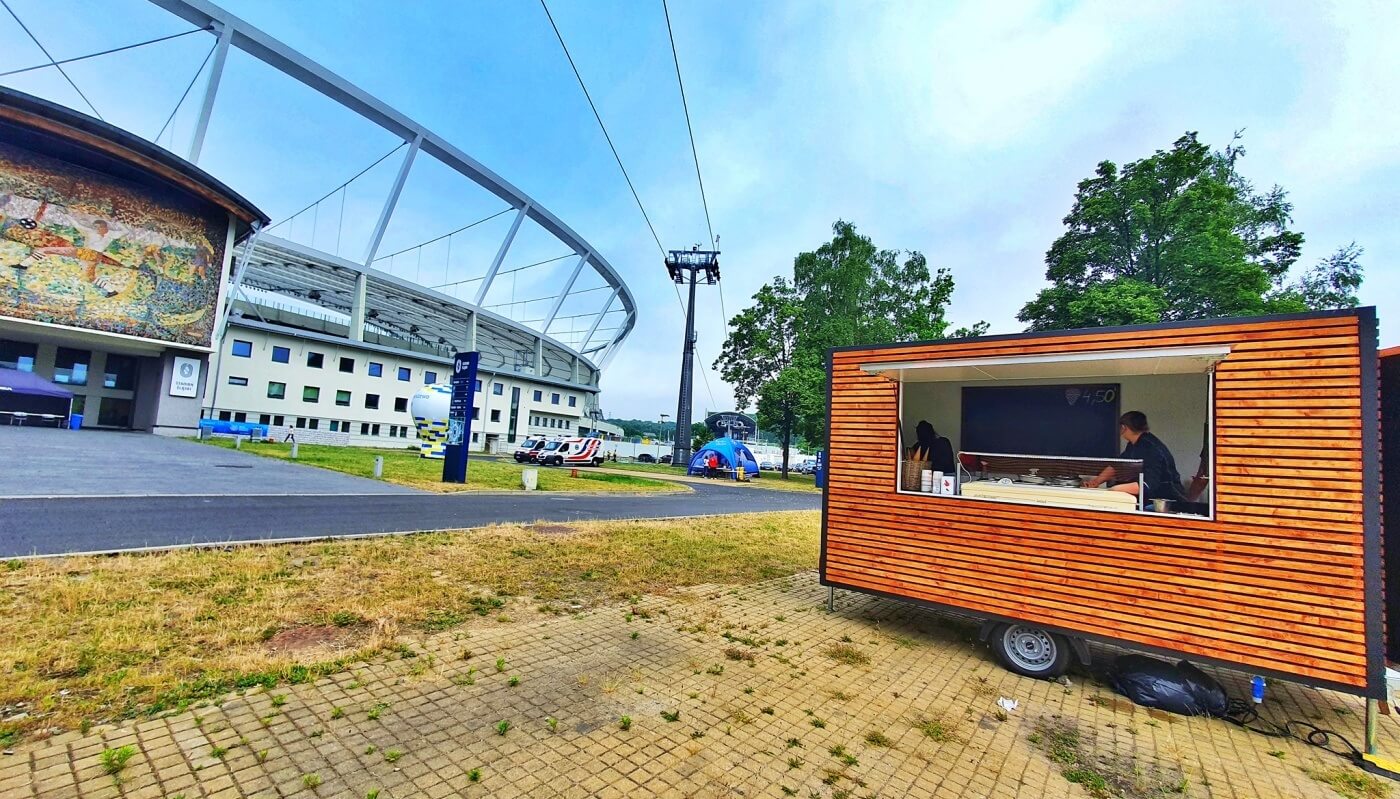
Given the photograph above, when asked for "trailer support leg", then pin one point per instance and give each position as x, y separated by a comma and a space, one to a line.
831, 599
1372, 706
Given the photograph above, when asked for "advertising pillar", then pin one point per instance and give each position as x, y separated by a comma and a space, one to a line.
459, 417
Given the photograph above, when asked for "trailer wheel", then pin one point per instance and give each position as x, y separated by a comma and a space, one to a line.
1030, 651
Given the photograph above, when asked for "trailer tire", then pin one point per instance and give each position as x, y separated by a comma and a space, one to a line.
1030, 651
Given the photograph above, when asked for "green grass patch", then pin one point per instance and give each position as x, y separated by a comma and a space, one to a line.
405, 467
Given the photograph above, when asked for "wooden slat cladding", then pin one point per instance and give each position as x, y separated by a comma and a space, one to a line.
1276, 581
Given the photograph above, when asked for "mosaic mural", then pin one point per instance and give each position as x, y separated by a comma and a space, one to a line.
83, 249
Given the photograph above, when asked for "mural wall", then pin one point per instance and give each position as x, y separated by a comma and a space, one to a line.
87, 250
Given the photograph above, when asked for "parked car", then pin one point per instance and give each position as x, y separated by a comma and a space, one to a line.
767, 465
646, 457
527, 449
665, 459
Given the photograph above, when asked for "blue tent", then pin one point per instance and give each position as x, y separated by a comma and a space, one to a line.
732, 454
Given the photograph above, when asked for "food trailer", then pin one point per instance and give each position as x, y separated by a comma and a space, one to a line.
1268, 560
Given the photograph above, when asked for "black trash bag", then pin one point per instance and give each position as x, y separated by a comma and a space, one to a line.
1180, 688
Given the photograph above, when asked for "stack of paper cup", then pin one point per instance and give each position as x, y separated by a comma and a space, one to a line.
935, 480
927, 481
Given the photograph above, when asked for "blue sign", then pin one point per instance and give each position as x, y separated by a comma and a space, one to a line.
459, 417
820, 475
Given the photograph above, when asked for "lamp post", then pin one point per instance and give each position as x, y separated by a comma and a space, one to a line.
662, 429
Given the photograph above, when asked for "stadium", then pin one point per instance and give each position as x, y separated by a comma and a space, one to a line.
325, 341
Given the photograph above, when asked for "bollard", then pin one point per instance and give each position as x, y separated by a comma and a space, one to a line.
573, 472
378, 466
294, 450
238, 442
530, 479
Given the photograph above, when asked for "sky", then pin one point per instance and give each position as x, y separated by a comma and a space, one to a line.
958, 130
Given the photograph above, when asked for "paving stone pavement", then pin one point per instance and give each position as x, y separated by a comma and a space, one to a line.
761, 708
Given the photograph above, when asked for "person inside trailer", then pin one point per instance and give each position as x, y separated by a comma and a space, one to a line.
1160, 479
936, 449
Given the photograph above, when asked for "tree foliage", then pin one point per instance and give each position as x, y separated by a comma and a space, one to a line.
1180, 235
846, 292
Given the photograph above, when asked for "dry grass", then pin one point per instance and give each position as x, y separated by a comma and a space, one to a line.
405, 467
139, 634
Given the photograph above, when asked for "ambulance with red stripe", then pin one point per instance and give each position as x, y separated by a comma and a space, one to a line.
573, 452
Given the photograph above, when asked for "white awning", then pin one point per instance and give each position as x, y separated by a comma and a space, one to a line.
1116, 363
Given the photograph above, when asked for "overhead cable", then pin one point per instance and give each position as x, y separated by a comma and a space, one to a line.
52, 61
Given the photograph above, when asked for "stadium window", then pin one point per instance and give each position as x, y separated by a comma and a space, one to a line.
554, 399
405, 374
237, 381
372, 402
281, 355
335, 426
429, 378
476, 385
400, 404
567, 424
225, 416
496, 415
313, 423
120, 373
279, 420
476, 414
301, 422
374, 430
315, 360
474, 437
264, 418
364, 428
241, 348
539, 396
347, 365
310, 394
276, 390
71, 366
498, 389
18, 355
342, 398
376, 369
573, 401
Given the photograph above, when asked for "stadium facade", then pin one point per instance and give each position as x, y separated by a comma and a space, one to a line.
158, 296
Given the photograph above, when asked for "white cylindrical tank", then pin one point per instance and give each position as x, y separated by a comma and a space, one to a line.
429, 408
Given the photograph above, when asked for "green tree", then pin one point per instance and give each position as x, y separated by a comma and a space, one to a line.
1179, 235
702, 436
846, 292
854, 293
757, 359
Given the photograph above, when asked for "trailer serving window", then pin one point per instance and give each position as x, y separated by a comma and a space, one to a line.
1045, 429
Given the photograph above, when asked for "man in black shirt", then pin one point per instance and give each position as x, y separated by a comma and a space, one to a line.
1160, 479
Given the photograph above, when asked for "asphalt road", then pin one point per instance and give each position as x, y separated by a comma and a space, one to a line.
66, 525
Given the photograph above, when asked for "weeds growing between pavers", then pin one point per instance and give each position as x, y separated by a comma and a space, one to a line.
163, 632
1100, 771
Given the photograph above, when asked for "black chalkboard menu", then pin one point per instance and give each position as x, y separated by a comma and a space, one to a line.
1077, 420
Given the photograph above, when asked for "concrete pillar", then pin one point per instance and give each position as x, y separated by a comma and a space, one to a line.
539, 356
471, 332
357, 308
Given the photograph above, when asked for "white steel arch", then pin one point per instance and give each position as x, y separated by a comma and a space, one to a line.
233, 31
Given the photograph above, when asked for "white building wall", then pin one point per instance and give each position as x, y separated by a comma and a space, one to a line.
239, 387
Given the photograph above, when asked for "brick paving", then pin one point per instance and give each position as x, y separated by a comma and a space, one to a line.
761, 707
